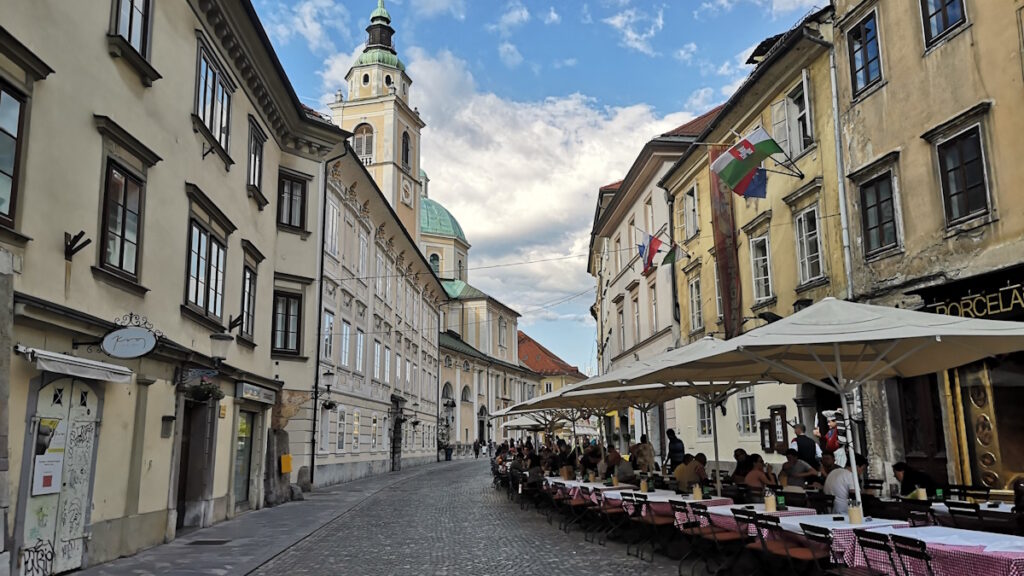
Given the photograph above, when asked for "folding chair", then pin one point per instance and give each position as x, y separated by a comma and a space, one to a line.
978, 494
874, 486
877, 544
821, 502
653, 528
913, 550
775, 544
611, 516
917, 512
965, 515
576, 506
820, 539
723, 543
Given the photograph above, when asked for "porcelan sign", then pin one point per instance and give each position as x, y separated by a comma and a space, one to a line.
1008, 300
129, 342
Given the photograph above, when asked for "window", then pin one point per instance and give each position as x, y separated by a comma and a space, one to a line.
408, 374
547, 387
648, 218
622, 329
346, 333
631, 231
205, 271
808, 245
287, 321
398, 369
502, 329
362, 256
133, 23
618, 255
696, 312
291, 202
636, 317
791, 120
362, 143
373, 432
331, 228
11, 122
690, 217
760, 261
366, 79
328, 336
704, 425
341, 430
405, 151
360, 339
387, 364
865, 62
718, 292
256, 141
122, 221
213, 99
940, 16
962, 167
652, 290
380, 274
355, 430
388, 271
748, 413
324, 430
248, 301
435, 263
879, 214
376, 359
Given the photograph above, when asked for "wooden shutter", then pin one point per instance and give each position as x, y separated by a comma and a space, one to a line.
807, 103
780, 124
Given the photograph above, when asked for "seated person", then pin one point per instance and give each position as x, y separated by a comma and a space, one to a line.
691, 471
760, 474
828, 464
840, 483
743, 466
612, 459
911, 479
796, 471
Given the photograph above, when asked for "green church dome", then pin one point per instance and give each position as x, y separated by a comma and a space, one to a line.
380, 12
438, 221
380, 56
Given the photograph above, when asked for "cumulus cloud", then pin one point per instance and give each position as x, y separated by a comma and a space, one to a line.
313, 20
686, 53
637, 28
711, 8
514, 16
565, 63
332, 73
585, 16
701, 100
552, 17
431, 8
509, 55
537, 167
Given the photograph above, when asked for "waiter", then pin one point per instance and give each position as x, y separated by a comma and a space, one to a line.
807, 449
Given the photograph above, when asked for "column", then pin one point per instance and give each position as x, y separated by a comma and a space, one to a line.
458, 406
476, 406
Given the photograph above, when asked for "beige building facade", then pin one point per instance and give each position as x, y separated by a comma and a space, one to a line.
188, 178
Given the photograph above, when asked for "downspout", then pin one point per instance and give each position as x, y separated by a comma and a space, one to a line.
319, 309
844, 221
670, 199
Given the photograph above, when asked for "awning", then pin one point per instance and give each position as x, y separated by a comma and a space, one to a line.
47, 361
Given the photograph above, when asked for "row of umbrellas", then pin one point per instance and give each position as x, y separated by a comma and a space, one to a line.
834, 344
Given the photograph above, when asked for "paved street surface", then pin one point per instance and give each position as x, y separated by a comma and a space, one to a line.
438, 519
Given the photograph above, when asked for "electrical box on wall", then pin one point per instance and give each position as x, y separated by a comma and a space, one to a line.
286, 463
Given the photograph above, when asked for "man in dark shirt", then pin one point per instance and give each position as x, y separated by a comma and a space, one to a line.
676, 450
911, 479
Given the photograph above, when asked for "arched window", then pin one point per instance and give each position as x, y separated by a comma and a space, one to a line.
366, 79
466, 394
362, 143
405, 150
387, 80
435, 263
447, 361
446, 392
461, 276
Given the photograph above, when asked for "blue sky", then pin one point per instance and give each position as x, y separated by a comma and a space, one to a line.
530, 107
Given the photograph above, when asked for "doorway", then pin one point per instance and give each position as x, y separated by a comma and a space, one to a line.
243, 459
924, 439
195, 463
58, 491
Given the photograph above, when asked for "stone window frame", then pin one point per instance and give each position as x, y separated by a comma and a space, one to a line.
872, 171
138, 59
255, 166
931, 41
860, 91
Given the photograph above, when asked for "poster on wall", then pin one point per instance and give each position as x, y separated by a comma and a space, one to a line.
46, 475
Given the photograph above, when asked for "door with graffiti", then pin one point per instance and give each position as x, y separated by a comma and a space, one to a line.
64, 431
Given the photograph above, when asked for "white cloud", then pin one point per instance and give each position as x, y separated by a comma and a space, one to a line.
332, 73
775, 7
538, 167
585, 16
701, 100
686, 53
515, 15
509, 54
566, 63
552, 17
637, 28
431, 8
312, 20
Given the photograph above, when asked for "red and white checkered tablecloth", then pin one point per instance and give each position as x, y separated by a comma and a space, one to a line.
665, 508
844, 541
951, 559
722, 517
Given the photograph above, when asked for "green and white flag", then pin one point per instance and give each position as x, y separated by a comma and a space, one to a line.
675, 254
736, 167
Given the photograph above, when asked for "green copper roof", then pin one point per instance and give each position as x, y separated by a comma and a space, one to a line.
459, 290
380, 12
436, 220
379, 56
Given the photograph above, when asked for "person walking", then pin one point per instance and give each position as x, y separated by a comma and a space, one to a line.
806, 448
676, 450
476, 448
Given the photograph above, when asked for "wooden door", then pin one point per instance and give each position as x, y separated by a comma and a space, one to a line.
924, 439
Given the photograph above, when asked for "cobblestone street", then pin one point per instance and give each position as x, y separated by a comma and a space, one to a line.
439, 519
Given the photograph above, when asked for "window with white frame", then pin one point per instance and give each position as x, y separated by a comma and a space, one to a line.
379, 280
718, 292
328, 340
373, 433
808, 245
690, 216
346, 334
548, 387
340, 439
791, 119
389, 270
622, 328
761, 264
618, 254
362, 256
387, 364
696, 311
398, 369
362, 143
748, 412
324, 437
704, 427
648, 218
376, 359
360, 341
331, 231
355, 430
408, 374
631, 231
635, 301
652, 291
213, 98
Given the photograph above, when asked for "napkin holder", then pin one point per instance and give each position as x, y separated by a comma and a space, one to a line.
643, 485
856, 514
615, 480
591, 477
769, 503
698, 493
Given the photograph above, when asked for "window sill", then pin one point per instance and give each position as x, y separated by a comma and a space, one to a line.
691, 238
118, 47
766, 303
118, 281
246, 341
201, 129
256, 195
697, 332
289, 356
868, 91
883, 253
813, 283
303, 234
201, 319
13, 236
946, 37
812, 148
971, 224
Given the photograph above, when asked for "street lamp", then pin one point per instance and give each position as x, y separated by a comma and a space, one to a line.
219, 347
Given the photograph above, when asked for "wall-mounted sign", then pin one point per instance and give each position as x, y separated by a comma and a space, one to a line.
129, 342
248, 391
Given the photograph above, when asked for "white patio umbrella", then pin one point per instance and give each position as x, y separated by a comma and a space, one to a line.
523, 423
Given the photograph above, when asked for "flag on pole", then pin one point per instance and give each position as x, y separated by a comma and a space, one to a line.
675, 254
652, 248
641, 248
758, 186
738, 166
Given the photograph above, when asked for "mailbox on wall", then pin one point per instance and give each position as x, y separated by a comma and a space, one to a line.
764, 426
778, 428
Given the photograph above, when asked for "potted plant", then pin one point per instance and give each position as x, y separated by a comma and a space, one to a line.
204, 391
329, 404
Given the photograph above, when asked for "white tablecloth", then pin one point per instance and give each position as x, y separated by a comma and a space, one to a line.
652, 496
792, 523
1003, 508
942, 535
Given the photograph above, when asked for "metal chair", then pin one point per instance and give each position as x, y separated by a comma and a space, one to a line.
821, 539
917, 512
724, 543
821, 502
965, 515
875, 486
776, 545
612, 513
652, 527
879, 545
914, 551
576, 506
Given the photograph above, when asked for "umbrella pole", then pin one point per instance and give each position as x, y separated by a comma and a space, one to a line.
718, 462
848, 417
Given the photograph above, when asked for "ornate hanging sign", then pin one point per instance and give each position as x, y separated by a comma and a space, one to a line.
134, 338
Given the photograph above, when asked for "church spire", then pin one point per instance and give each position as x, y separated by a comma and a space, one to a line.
379, 32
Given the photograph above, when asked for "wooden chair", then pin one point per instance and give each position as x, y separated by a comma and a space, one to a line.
798, 499
955, 492
914, 551
879, 544
978, 494
775, 544
576, 507
651, 527
821, 539
965, 515
725, 545
613, 516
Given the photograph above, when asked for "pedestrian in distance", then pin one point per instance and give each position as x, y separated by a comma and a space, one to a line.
476, 448
676, 450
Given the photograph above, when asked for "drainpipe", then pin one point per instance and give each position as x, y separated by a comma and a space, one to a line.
840, 166
670, 199
319, 310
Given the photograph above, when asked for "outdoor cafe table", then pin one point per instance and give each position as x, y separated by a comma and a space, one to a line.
660, 500
956, 552
722, 517
844, 542
573, 486
994, 508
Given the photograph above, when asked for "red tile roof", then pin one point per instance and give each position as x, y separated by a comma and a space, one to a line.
696, 126
611, 187
543, 361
